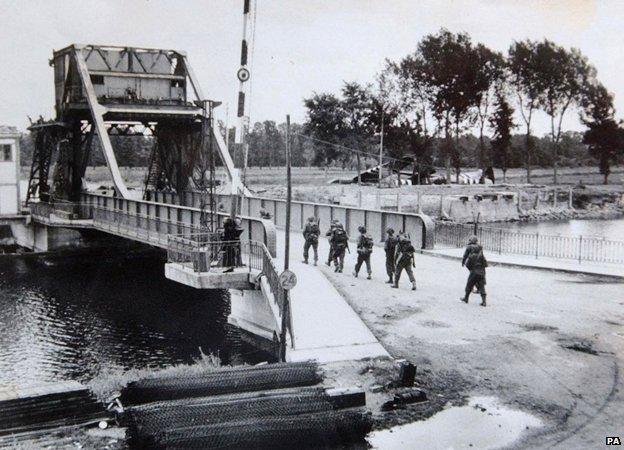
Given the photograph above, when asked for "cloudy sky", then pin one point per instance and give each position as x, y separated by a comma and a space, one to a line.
300, 46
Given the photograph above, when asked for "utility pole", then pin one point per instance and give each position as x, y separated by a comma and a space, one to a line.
288, 192
381, 147
286, 306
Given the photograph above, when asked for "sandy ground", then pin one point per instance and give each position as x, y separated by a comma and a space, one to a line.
516, 349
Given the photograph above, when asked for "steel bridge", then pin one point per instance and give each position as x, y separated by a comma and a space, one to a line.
317, 321
103, 92
194, 257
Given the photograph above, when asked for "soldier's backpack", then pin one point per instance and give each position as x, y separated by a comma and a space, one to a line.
314, 229
405, 247
475, 260
312, 232
340, 238
366, 245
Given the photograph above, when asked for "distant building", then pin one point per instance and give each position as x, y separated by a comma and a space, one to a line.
9, 171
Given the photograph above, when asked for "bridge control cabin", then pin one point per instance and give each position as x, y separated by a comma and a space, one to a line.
132, 83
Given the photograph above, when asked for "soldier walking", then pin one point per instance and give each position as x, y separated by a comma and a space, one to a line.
339, 241
364, 250
330, 256
311, 235
404, 260
390, 248
475, 262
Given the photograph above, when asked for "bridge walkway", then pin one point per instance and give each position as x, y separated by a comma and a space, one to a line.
325, 326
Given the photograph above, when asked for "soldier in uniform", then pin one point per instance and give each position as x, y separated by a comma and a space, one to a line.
390, 247
339, 241
364, 250
232, 229
330, 256
475, 262
404, 260
311, 235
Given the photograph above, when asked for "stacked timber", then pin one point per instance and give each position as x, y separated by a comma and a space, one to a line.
271, 406
47, 406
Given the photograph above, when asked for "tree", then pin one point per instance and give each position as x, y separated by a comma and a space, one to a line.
605, 136
490, 74
451, 70
560, 75
501, 123
407, 98
522, 64
326, 122
357, 105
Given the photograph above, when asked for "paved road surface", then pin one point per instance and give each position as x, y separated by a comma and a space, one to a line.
515, 349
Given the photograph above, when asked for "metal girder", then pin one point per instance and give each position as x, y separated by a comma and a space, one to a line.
191, 74
226, 158
97, 113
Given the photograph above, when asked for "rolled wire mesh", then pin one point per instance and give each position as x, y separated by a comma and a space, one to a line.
316, 430
145, 422
222, 381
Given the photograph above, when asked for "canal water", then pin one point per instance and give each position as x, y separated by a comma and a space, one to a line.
609, 229
72, 319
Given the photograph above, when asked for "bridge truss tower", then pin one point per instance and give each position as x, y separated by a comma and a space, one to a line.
104, 91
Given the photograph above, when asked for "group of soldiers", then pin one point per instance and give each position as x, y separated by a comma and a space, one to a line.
399, 255
399, 250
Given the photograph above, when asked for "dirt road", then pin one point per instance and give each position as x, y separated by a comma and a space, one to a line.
549, 344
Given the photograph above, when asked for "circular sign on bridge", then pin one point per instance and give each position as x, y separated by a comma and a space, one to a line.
288, 279
243, 74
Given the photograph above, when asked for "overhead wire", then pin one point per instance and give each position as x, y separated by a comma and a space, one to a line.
352, 150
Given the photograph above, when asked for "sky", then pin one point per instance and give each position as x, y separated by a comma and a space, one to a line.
300, 47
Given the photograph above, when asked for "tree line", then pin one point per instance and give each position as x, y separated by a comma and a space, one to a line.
449, 87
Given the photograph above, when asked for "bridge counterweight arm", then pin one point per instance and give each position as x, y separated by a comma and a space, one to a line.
97, 112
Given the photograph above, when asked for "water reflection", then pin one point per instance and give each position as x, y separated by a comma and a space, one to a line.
608, 229
72, 319
484, 424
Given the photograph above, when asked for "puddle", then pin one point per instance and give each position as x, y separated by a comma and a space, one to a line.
483, 423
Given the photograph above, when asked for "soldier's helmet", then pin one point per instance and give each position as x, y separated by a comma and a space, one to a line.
390, 230
362, 229
473, 240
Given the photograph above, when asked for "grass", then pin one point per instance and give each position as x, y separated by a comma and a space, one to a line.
311, 183
110, 381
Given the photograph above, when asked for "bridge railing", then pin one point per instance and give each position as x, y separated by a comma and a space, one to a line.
179, 220
420, 226
139, 226
61, 210
204, 252
499, 240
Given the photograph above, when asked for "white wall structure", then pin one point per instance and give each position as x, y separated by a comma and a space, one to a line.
9, 171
